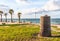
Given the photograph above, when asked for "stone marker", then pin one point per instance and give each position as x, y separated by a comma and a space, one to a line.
45, 26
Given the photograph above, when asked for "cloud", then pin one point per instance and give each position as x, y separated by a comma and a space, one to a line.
4, 8
31, 10
29, 2
57, 2
52, 5
23, 2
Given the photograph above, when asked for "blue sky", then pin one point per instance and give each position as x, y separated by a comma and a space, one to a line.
29, 6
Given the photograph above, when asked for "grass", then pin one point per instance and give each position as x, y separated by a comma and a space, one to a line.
18, 32
25, 32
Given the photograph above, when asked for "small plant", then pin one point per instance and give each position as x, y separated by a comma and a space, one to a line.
3, 23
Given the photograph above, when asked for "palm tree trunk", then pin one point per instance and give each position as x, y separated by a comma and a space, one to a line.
1, 18
19, 19
11, 18
6, 19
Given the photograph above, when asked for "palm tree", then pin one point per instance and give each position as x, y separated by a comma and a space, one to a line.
11, 11
1, 12
5, 17
19, 15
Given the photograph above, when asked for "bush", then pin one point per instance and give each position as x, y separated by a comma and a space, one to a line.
3, 23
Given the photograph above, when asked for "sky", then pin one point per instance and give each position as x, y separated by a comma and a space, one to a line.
29, 7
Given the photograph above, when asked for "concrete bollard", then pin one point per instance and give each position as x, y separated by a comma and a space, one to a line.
45, 26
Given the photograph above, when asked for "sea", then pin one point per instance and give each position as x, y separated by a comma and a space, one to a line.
37, 20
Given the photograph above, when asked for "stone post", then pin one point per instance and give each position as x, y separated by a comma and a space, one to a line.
45, 26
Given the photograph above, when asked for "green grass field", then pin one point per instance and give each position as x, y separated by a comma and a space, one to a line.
18, 32
24, 32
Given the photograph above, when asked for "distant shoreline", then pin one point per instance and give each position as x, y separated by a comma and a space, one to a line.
58, 25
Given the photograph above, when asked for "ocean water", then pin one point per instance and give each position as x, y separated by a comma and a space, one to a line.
53, 21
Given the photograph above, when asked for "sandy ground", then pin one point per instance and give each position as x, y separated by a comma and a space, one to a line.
27, 23
55, 25
16, 23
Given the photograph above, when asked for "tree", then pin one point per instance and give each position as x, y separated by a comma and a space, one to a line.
11, 11
1, 12
19, 16
5, 17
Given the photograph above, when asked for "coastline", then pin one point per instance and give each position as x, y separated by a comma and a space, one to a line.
58, 25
